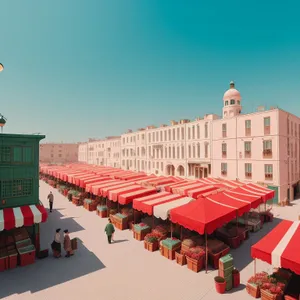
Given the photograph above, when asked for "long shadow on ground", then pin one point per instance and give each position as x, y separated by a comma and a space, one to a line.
242, 255
49, 271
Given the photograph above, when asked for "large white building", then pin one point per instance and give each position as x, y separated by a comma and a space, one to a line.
105, 152
262, 147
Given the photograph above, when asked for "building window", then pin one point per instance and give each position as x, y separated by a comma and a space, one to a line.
248, 170
162, 166
268, 172
178, 133
169, 133
238, 102
193, 132
206, 130
149, 137
247, 148
174, 152
178, 152
189, 133
190, 152
182, 152
165, 135
22, 155
267, 148
16, 188
174, 134
267, 124
232, 102
182, 133
194, 151
206, 150
198, 150
5, 154
226, 103
224, 150
224, 168
198, 132
224, 130
247, 127
153, 136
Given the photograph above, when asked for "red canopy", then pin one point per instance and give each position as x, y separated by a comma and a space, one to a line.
266, 195
115, 194
90, 187
195, 193
191, 185
105, 190
127, 198
96, 179
281, 246
97, 189
202, 215
255, 200
86, 176
26, 215
269, 194
147, 206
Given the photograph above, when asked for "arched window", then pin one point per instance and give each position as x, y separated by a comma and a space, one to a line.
198, 131
198, 150
232, 102
226, 103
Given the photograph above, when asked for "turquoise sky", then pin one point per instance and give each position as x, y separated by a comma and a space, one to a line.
80, 69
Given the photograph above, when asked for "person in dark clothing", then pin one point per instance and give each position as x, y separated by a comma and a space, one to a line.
109, 229
56, 244
50, 198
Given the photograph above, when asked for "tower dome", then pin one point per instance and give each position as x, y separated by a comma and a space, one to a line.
231, 102
232, 93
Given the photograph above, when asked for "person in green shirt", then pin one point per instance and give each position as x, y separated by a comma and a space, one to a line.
109, 229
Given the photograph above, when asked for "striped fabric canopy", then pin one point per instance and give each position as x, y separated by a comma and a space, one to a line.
22, 216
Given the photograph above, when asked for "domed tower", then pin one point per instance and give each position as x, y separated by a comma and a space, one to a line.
232, 102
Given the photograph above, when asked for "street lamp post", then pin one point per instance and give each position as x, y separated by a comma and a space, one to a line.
2, 118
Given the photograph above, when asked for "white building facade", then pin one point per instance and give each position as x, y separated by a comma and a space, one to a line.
261, 147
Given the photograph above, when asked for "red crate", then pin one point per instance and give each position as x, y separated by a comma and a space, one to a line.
27, 258
3, 263
12, 261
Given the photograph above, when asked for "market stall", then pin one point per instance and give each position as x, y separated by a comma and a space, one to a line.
19, 235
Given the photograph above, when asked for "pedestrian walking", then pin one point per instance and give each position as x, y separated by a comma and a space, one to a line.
67, 244
109, 229
50, 198
56, 244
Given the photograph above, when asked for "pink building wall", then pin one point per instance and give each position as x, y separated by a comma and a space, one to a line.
58, 153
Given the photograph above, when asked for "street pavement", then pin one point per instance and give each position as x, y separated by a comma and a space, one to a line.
122, 270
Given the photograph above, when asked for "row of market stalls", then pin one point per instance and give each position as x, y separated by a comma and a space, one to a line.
194, 221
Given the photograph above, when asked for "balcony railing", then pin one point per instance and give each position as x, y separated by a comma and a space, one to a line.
267, 130
268, 176
247, 153
267, 153
223, 172
224, 154
247, 131
248, 174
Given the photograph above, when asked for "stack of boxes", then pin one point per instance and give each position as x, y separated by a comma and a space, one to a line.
226, 269
16, 246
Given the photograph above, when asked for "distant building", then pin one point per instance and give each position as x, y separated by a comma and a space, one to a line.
58, 153
261, 147
106, 152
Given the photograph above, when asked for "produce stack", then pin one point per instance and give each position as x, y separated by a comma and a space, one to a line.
161, 231
89, 204
226, 269
169, 247
121, 221
102, 211
140, 230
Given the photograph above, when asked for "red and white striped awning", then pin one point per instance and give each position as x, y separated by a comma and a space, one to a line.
22, 216
281, 246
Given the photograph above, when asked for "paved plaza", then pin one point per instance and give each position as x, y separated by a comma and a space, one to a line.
123, 270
